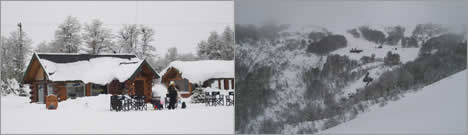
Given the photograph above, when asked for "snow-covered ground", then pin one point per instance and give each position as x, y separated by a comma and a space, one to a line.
368, 48
439, 108
92, 115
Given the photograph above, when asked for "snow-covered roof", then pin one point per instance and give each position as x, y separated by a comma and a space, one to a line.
200, 71
98, 69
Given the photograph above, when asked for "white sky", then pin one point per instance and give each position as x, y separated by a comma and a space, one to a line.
339, 15
180, 24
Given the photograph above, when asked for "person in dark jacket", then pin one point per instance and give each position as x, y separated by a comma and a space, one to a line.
172, 96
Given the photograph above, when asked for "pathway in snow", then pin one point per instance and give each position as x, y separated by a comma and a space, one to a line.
439, 108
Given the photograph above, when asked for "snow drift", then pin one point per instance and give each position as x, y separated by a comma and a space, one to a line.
91, 115
439, 108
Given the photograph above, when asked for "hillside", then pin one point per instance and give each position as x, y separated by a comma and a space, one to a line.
439, 108
289, 86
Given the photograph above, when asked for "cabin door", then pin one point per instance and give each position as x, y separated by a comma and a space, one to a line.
139, 87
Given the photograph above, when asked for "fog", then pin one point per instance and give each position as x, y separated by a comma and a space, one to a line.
339, 15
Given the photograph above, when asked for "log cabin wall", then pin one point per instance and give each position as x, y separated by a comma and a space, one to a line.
115, 87
130, 87
219, 84
226, 84
173, 75
88, 89
147, 84
61, 91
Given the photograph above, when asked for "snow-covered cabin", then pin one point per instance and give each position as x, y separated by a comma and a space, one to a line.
205, 73
78, 75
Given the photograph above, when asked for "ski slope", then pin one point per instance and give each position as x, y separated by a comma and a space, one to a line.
439, 108
368, 48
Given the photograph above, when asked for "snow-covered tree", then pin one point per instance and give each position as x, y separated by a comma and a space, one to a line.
197, 95
395, 34
228, 44
128, 38
3, 58
146, 48
68, 36
11, 86
220, 47
44, 47
424, 32
172, 54
97, 37
15, 49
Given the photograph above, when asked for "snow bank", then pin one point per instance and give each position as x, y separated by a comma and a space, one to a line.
159, 90
91, 115
200, 71
439, 108
369, 48
100, 70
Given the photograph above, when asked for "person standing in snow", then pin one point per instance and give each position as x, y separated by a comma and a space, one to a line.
172, 95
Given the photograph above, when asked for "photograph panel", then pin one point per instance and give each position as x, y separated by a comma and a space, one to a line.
117, 67
351, 67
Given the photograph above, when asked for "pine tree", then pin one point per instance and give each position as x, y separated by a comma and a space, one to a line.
197, 95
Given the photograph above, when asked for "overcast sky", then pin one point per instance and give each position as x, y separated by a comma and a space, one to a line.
180, 24
339, 15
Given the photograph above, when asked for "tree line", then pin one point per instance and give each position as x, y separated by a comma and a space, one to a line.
72, 36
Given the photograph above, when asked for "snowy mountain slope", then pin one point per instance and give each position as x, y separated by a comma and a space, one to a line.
289, 60
295, 62
374, 69
439, 108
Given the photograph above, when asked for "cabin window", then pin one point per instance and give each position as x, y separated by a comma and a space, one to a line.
183, 85
50, 89
97, 89
75, 90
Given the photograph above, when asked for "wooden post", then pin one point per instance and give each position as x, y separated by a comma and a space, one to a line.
219, 83
232, 80
88, 89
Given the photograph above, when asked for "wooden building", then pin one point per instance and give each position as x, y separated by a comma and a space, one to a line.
78, 75
188, 75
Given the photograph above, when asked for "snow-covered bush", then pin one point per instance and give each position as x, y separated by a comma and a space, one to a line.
372, 35
197, 95
328, 44
11, 86
392, 59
